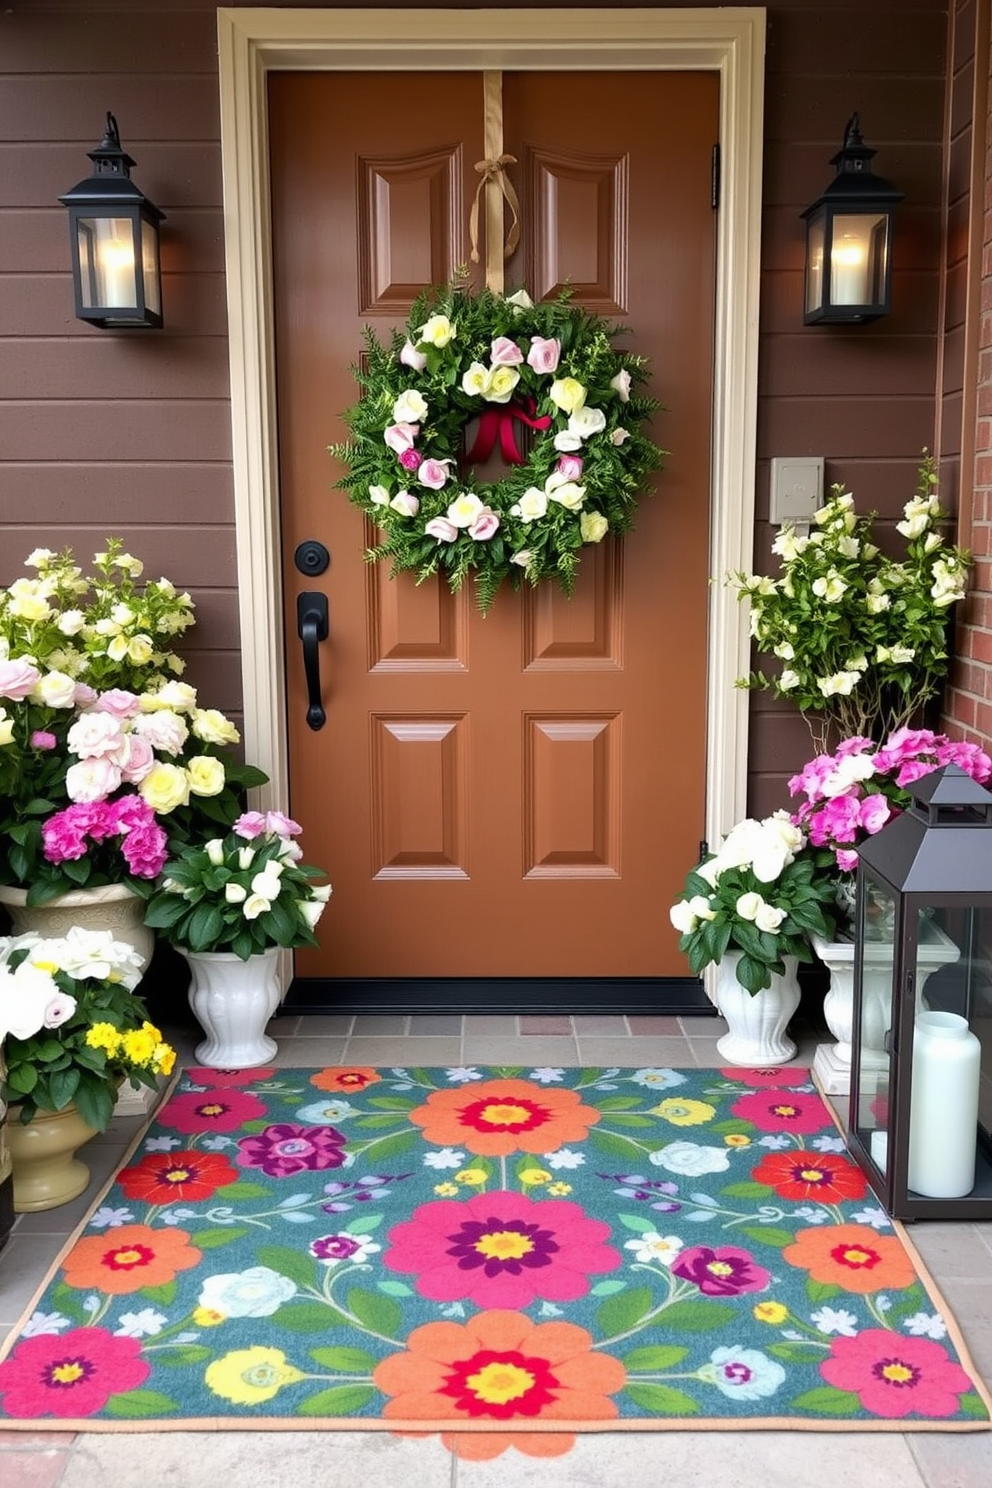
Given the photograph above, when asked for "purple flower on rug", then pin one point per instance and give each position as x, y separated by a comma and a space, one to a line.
724, 1272
333, 1249
501, 1250
282, 1150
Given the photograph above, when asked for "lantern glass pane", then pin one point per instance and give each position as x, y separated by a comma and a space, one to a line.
815, 244
878, 923
106, 262
149, 267
951, 1099
854, 252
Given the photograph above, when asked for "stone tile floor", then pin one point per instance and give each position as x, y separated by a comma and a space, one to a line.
958, 1254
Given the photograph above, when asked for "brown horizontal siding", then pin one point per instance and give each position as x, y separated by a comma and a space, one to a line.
104, 433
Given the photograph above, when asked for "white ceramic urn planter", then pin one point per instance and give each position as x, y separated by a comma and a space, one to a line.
233, 1001
756, 1024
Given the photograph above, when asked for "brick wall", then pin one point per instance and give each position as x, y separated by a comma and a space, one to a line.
969, 700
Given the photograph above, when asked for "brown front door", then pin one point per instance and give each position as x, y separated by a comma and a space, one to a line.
520, 795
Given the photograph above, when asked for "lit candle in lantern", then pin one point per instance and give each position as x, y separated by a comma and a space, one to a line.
848, 265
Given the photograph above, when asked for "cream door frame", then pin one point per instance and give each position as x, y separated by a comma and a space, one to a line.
727, 41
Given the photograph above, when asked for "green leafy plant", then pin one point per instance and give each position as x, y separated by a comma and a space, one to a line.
761, 894
242, 893
71, 1025
549, 369
861, 637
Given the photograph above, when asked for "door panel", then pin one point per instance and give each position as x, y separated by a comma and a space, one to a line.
516, 795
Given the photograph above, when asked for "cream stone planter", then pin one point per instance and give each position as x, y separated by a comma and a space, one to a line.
233, 1000
832, 1062
756, 1034
110, 907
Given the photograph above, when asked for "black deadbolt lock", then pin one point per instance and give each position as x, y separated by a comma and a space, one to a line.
311, 557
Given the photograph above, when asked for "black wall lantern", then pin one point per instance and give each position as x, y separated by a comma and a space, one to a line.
849, 240
113, 230
921, 1072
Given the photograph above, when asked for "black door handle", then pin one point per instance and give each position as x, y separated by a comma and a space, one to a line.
311, 625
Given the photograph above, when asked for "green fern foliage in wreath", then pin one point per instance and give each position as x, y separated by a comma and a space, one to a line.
494, 366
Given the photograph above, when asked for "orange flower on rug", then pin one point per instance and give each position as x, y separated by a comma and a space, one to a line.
503, 1116
500, 1367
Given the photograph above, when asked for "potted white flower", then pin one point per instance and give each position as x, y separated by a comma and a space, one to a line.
229, 906
750, 909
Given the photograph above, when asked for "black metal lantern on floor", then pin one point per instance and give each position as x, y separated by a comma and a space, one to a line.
113, 230
849, 240
921, 1074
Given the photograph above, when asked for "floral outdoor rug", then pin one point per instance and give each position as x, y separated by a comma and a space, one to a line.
504, 1256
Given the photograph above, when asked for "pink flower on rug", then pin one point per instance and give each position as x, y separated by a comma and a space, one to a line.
724, 1272
783, 1112
501, 1250
225, 1079
284, 1150
218, 1109
766, 1079
68, 1376
894, 1375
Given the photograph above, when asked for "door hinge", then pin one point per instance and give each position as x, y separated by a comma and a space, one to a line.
715, 178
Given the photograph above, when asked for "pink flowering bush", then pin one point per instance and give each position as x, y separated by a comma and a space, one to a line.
851, 794
108, 763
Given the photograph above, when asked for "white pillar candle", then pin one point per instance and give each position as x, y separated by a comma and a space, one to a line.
943, 1111
880, 1149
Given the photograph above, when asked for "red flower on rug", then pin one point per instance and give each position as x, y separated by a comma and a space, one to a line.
765, 1079
68, 1376
851, 1256
778, 1111
345, 1077
219, 1109
724, 1272
500, 1366
168, 1177
129, 1258
498, 1117
894, 1375
225, 1079
821, 1176
282, 1150
501, 1250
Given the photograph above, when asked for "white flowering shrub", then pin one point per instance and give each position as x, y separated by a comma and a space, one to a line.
861, 637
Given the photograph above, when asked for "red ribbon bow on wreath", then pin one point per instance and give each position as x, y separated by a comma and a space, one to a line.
497, 423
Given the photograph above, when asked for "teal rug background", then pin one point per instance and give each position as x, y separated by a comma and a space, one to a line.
489, 1251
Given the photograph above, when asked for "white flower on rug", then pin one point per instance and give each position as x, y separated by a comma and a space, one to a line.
462, 1073
44, 1322
257, 1292
829, 1144
547, 1075
445, 1157
742, 1373
926, 1325
835, 1320
654, 1247
564, 1158
162, 1144
810, 1214
106, 1218
877, 1218
691, 1159
143, 1324
776, 1143
658, 1079
325, 1112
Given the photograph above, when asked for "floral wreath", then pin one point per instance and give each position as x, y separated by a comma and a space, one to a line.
510, 364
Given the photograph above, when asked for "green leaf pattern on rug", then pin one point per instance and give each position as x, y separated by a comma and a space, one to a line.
489, 1250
